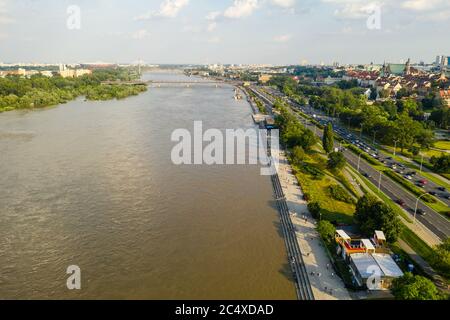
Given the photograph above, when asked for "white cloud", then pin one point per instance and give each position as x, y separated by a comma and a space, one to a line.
241, 9
354, 9
283, 38
167, 9
284, 3
140, 34
422, 5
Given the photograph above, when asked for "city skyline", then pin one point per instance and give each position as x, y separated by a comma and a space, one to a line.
280, 32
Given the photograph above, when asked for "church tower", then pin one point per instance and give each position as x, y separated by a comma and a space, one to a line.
408, 67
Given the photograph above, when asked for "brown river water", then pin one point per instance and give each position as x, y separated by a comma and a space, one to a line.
92, 184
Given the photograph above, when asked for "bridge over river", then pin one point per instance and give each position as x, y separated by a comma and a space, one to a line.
159, 83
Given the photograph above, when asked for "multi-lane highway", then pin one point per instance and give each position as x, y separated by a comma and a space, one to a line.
434, 221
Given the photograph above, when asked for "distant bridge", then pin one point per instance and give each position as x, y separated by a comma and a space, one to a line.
162, 82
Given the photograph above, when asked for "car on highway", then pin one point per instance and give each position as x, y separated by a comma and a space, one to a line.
424, 182
421, 212
420, 185
408, 177
368, 176
441, 189
432, 193
401, 202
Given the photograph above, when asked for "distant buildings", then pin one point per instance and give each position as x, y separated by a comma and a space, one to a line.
25, 73
368, 259
445, 97
264, 78
391, 78
443, 62
72, 73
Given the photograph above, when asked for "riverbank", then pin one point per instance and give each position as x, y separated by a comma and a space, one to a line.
19, 93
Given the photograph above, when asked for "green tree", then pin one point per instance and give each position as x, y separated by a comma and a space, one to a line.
326, 230
440, 260
307, 140
328, 138
411, 287
372, 214
314, 209
441, 164
298, 155
336, 161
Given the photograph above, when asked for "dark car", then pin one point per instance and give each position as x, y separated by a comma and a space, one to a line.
367, 175
401, 202
420, 185
442, 189
432, 193
421, 212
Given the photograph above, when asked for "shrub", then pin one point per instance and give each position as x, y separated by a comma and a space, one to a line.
340, 194
314, 209
326, 231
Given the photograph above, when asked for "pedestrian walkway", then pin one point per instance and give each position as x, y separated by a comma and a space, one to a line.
440, 282
325, 283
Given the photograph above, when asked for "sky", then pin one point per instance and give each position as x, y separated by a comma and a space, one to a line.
278, 32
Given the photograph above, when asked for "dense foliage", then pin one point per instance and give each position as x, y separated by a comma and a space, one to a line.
326, 230
40, 91
440, 260
340, 194
372, 214
411, 287
441, 164
328, 138
293, 133
402, 120
336, 161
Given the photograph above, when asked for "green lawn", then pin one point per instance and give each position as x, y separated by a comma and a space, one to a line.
318, 191
417, 244
443, 145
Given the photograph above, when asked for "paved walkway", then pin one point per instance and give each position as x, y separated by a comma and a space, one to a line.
439, 281
325, 284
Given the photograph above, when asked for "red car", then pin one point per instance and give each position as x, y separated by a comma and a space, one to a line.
423, 182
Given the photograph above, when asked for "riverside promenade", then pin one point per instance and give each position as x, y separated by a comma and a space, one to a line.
326, 285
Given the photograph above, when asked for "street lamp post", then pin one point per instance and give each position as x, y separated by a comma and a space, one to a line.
379, 182
417, 205
359, 161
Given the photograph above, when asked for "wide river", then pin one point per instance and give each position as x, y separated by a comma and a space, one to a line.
92, 184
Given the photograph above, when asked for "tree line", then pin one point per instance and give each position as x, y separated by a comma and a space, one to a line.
39, 91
